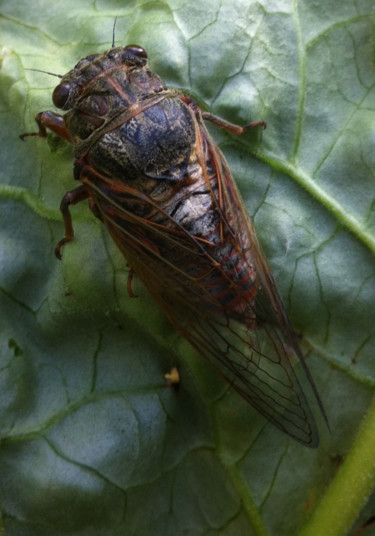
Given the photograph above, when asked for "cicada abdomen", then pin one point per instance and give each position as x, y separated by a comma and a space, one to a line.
163, 189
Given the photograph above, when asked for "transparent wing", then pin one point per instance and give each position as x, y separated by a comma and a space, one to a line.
252, 344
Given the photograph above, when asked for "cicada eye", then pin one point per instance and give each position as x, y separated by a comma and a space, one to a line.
136, 51
60, 95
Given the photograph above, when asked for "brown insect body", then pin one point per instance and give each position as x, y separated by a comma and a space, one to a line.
163, 189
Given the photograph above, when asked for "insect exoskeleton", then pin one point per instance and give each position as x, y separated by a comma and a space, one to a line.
156, 179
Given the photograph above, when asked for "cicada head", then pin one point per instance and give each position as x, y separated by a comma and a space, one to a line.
101, 85
95, 67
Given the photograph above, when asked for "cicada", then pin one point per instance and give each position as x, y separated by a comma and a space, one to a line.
156, 179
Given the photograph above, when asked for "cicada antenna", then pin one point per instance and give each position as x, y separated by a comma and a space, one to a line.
45, 72
113, 33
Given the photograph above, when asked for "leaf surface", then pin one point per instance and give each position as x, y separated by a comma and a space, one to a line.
93, 442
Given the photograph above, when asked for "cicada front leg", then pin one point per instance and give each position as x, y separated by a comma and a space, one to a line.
51, 121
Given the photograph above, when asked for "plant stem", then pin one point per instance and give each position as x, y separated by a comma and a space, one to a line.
351, 487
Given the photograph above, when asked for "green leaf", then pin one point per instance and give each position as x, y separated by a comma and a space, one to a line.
93, 442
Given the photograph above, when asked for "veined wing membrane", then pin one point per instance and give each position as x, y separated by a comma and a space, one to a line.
252, 344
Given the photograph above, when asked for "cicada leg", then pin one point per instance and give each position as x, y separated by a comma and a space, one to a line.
219, 121
231, 127
70, 198
49, 120
129, 284
55, 123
